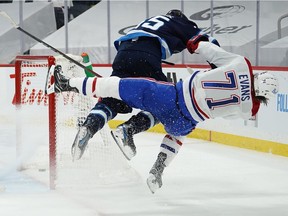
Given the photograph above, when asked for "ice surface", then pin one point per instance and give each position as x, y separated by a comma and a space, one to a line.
205, 179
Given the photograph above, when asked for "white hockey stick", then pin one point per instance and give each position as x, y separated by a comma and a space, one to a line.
5, 15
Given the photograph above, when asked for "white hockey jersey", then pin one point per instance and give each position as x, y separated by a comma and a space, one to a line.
226, 91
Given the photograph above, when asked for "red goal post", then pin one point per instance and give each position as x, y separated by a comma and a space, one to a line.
37, 62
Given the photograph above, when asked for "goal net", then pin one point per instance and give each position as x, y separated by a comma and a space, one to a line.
47, 125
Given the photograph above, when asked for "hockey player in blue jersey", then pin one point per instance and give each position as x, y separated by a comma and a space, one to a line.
229, 90
139, 55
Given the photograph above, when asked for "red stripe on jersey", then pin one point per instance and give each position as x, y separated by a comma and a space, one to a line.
197, 106
255, 102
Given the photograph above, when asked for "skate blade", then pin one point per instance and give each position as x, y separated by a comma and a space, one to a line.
76, 152
152, 184
127, 152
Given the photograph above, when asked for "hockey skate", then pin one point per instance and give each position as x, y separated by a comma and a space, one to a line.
80, 143
92, 124
154, 181
124, 139
61, 83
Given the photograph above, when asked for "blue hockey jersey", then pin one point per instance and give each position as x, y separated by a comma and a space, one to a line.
173, 33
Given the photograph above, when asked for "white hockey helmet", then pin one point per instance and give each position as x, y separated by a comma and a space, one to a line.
265, 84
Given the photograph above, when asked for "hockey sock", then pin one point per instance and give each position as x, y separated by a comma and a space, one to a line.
85, 86
170, 146
140, 122
98, 117
98, 87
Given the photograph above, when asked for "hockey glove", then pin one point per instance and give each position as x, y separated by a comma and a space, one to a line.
192, 44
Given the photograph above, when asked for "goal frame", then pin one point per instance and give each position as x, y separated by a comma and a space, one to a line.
102, 163
51, 113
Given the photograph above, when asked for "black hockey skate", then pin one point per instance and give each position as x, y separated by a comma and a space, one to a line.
61, 83
123, 137
124, 133
154, 181
92, 124
80, 143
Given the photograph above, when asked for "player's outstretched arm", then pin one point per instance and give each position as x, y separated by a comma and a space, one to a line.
211, 52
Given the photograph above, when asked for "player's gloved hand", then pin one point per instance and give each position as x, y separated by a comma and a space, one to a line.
192, 44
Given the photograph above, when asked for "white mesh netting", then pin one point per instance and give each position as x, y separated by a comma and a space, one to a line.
102, 162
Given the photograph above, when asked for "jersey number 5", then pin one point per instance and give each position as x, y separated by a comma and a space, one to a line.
155, 22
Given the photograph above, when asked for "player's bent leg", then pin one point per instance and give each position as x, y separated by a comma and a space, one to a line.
123, 135
168, 150
88, 86
94, 122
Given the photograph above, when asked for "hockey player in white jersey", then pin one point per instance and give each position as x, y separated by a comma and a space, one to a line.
228, 90
140, 53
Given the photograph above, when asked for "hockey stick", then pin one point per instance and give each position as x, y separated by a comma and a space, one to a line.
169, 63
190, 70
4, 14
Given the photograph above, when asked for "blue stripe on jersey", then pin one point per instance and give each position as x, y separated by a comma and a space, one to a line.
191, 95
84, 86
166, 53
173, 33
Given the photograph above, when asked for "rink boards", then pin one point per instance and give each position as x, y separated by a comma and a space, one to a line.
266, 133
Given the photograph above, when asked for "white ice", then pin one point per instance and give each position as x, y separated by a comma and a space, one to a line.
205, 179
